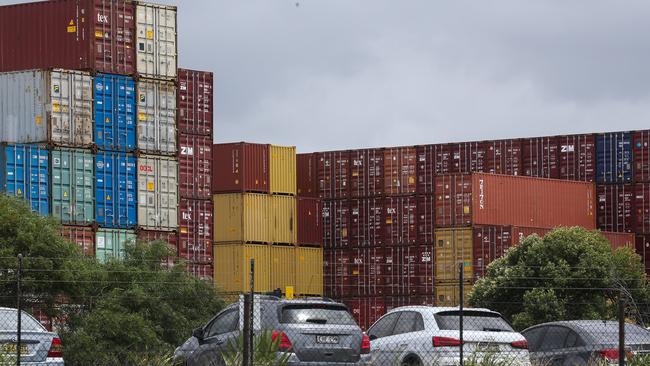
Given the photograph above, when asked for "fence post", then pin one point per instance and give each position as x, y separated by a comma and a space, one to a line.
19, 308
621, 330
461, 268
249, 321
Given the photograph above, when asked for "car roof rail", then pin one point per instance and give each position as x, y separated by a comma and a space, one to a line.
320, 298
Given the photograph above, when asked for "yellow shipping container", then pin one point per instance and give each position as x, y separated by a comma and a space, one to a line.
309, 271
283, 267
232, 267
242, 217
282, 169
282, 220
448, 293
453, 246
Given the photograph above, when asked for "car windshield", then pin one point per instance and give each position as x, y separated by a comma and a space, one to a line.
607, 333
9, 321
472, 320
316, 314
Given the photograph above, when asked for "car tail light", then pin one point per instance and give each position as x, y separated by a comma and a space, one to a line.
446, 342
365, 344
285, 344
520, 344
611, 354
56, 349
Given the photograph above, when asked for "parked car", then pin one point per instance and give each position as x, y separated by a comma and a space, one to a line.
313, 332
425, 335
38, 346
581, 341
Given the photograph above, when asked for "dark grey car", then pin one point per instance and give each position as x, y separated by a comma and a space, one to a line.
581, 341
315, 332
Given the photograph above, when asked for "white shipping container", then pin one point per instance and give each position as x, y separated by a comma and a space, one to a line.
156, 117
46, 106
157, 192
156, 49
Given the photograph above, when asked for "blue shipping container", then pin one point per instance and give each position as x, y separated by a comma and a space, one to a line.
614, 157
114, 112
25, 173
115, 189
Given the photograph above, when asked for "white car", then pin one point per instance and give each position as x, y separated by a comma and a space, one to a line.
425, 335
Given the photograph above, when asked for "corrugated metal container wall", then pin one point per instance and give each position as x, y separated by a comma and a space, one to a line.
504, 157
338, 281
619, 240
366, 222
114, 112
283, 267
577, 157
448, 294
401, 275
468, 157
157, 49
242, 217
195, 166
643, 250
73, 193
367, 270
520, 233
333, 174
426, 167
25, 173
111, 243
641, 150
453, 200
453, 246
194, 96
83, 236
641, 206
615, 207
282, 219
232, 267
195, 230
240, 167
614, 157
169, 237
47, 106
490, 242
366, 310
400, 220
532, 202
115, 189
157, 192
309, 271
309, 221
540, 157
156, 117
201, 271
336, 223
283, 169
307, 174
57, 31
426, 219
426, 270
366, 172
400, 170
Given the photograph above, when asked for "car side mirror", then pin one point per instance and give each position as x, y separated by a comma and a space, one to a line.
372, 337
198, 334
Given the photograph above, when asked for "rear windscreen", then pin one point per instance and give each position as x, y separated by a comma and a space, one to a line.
316, 314
9, 321
472, 320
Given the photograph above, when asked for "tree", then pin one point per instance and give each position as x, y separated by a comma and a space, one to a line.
569, 274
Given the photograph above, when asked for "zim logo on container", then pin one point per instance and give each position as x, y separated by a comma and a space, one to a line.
567, 148
146, 168
187, 150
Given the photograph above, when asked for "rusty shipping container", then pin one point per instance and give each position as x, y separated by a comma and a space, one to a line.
93, 35
307, 174
400, 170
366, 172
195, 230
366, 310
366, 228
194, 102
400, 220
641, 153
577, 157
309, 221
240, 167
195, 166
426, 218
503, 157
641, 207
615, 207
336, 224
540, 157
83, 236
333, 174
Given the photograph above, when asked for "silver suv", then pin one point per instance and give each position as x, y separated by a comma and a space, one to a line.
313, 332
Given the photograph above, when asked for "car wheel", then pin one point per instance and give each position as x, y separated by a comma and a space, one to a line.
411, 361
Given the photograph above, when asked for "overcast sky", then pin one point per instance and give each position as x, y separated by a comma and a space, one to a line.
329, 74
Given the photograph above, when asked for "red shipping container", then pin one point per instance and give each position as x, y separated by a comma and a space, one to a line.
328, 272
490, 242
641, 206
616, 207
619, 240
425, 269
428, 167
426, 218
366, 222
195, 166
204, 271
519, 233
83, 236
194, 102
338, 281
400, 170
577, 157
240, 167
170, 237
309, 221
333, 174
357, 271
540, 157
366, 172
195, 230
366, 310
396, 301
503, 157
336, 223
643, 250
468, 157
307, 174
453, 200
400, 214
641, 149
95, 35
401, 275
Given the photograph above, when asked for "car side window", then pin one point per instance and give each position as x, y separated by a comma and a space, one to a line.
224, 323
409, 321
383, 327
573, 340
554, 339
534, 336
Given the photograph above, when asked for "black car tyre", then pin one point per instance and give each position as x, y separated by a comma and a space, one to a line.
412, 361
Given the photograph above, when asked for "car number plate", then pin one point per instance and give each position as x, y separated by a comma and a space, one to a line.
327, 339
488, 348
12, 347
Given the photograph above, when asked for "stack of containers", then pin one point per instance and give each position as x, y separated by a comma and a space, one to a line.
256, 216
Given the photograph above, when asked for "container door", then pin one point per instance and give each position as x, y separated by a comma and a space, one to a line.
157, 117
114, 112
72, 186
71, 109
156, 41
157, 193
115, 189
114, 29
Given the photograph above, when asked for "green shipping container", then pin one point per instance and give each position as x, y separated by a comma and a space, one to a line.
73, 194
110, 243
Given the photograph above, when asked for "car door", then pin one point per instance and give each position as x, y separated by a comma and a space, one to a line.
403, 340
552, 345
223, 329
378, 333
